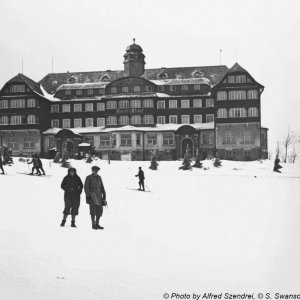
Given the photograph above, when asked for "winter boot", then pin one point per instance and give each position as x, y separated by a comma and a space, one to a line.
99, 227
94, 226
63, 222
73, 224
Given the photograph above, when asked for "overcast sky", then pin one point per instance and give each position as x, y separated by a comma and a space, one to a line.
92, 35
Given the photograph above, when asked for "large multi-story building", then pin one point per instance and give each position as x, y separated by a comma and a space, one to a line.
133, 111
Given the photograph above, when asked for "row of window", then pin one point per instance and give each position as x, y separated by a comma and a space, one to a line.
237, 112
18, 120
17, 88
237, 95
17, 103
28, 143
237, 79
230, 138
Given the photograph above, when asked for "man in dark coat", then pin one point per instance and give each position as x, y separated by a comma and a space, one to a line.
1, 164
72, 185
35, 163
95, 193
277, 166
141, 177
41, 165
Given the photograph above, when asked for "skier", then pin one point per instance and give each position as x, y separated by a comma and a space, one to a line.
72, 185
95, 194
1, 164
141, 179
41, 165
277, 166
35, 163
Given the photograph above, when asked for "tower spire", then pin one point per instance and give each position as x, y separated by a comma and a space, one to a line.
134, 40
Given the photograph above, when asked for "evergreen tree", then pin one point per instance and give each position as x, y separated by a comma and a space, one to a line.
154, 163
197, 163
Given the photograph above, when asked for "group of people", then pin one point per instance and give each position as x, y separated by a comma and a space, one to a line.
37, 165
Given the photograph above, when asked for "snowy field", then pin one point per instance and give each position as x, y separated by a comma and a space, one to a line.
231, 229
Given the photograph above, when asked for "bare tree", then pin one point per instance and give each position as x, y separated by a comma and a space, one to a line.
295, 151
287, 141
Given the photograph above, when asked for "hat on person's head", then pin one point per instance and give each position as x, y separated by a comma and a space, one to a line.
95, 168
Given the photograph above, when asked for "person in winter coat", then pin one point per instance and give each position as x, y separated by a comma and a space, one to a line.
35, 163
1, 164
95, 193
72, 185
277, 166
41, 165
141, 177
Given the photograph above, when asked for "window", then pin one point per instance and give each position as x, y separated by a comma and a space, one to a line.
125, 139
105, 140
185, 119
147, 103
3, 104
17, 103
161, 88
197, 102
160, 104
89, 139
161, 120
55, 123
240, 79
88, 107
68, 92
136, 119
31, 103
123, 104
66, 123
148, 119
17, 88
197, 118
246, 136
101, 106
237, 112
89, 122
209, 103
66, 108
173, 119
222, 96
54, 108
52, 142
135, 104
172, 103
136, 88
252, 94
90, 92
4, 120
123, 120
13, 144
138, 139
231, 79
185, 87
77, 107
222, 113
125, 89
111, 120
197, 87
237, 95
185, 103
252, 112
111, 105
172, 88
77, 123
151, 139
100, 122
148, 88
228, 137
31, 119
29, 142
168, 138
209, 118
113, 90
101, 91
78, 92
16, 120
207, 138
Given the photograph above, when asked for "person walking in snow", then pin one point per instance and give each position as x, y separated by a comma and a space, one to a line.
35, 163
95, 195
41, 165
72, 185
277, 166
1, 164
141, 177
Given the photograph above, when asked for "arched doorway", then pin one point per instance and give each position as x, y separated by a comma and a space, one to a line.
69, 147
187, 143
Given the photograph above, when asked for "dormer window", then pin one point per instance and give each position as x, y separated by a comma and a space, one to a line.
162, 75
125, 89
72, 80
197, 87
148, 88
136, 88
78, 92
172, 88
105, 77
198, 74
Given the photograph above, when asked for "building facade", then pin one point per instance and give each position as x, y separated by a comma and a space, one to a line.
127, 114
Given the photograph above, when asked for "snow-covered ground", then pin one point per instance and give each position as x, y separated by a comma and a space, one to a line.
229, 229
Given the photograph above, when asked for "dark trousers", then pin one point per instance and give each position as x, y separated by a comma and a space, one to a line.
37, 170
71, 206
1, 167
141, 184
96, 211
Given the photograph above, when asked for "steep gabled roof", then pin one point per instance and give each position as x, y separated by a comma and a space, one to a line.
236, 68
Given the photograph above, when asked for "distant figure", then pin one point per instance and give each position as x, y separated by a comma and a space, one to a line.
35, 163
1, 164
72, 185
141, 179
41, 165
217, 162
95, 194
277, 166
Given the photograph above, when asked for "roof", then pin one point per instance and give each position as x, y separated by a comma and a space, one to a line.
86, 85
140, 95
182, 81
236, 68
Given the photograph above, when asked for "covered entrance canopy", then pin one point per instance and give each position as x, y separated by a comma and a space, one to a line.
68, 140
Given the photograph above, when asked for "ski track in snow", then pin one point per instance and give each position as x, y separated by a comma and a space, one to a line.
228, 229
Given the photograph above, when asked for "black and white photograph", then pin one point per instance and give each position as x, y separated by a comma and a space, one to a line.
149, 150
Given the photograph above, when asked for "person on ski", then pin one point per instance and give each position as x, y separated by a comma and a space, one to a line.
95, 193
35, 163
41, 165
1, 163
277, 166
141, 177
72, 185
